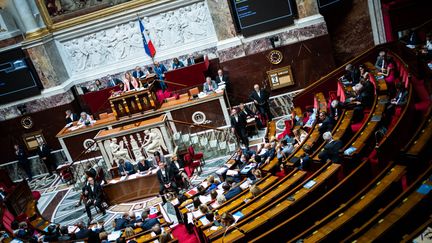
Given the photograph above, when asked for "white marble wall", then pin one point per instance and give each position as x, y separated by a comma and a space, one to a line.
93, 51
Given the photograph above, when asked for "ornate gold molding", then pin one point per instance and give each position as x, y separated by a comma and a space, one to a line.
36, 34
52, 27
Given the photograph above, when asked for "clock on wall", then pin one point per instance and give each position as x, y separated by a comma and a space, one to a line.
275, 57
27, 122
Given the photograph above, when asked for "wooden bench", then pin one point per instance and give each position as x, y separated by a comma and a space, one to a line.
265, 198
379, 227
331, 227
280, 206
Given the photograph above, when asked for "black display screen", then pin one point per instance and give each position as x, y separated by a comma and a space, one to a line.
257, 16
18, 80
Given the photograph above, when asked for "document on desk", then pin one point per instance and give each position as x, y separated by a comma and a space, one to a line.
123, 178
114, 235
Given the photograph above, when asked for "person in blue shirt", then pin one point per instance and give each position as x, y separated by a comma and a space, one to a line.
160, 71
177, 64
230, 192
126, 168
209, 85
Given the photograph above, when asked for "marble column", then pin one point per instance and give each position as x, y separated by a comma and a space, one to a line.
222, 20
48, 63
376, 19
306, 8
26, 15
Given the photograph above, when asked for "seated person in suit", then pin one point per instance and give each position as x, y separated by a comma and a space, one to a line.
331, 149
166, 179
113, 81
177, 64
335, 109
305, 159
326, 123
85, 120
209, 86
138, 73
177, 166
352, 74
230, 192
71, 117
122, 222
283, 150
126, 168
364, 99
146, 223
190, 60
144, 165
98, 85
380, 63
222, 78
94, 192
401, 95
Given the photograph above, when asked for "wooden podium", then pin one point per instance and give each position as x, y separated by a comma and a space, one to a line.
132, 102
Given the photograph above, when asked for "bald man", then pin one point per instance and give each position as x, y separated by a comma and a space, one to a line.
260, 97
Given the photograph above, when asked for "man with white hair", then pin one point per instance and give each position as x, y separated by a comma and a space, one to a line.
331, 149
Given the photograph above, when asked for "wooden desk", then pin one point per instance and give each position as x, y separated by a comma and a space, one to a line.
132, 102
133, 188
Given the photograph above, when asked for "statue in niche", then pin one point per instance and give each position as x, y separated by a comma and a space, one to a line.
118, 151
153, 141
136, 150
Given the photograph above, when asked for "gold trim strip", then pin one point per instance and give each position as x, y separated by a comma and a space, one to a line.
52, 27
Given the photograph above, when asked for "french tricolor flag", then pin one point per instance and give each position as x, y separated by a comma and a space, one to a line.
148, 45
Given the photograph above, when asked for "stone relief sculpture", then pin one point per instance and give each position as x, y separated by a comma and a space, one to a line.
153, 141
167, 30
117, 151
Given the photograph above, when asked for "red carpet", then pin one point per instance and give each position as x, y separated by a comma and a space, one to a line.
181, 234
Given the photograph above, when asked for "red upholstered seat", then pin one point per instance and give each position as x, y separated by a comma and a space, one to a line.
190, 164
7, 219
196, 156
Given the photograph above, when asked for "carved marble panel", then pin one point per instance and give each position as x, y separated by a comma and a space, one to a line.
167, 30
222, 19
10, 112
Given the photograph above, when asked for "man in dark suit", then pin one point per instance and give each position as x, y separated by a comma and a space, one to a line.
230, 192
144, 165
261, 99
166, 178
222, 78
352, 74
44, 153
23, 161
238, 126
326, 123
126, 168
147, 223
137, 73
113, 81
160, 71
94, 192
71, 117
331, 149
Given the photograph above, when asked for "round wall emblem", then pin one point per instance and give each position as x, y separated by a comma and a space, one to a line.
27, 122
275, 57
90, 145
198, 117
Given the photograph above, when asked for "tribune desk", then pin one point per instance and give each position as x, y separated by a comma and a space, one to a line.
132, 102
133, 187
184, 109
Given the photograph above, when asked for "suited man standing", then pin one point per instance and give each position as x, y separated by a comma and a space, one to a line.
238, 126
261, 99
23, 161
160, 71
166, 178
44, 152
221, 78
331, 149
94, 195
